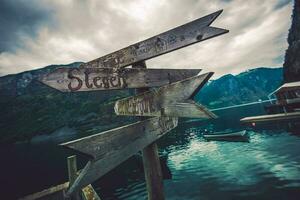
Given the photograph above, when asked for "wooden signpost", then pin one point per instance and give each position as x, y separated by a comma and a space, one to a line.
165, 100
110, 148
151, 162
182, 36
162, 94
88, 79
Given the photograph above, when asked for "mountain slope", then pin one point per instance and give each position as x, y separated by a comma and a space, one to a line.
245, 87
29, 108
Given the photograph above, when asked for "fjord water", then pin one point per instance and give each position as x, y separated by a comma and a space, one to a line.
267, 167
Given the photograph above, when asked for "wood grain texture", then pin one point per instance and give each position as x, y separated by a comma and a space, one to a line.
189, 110
159, 102
91, 79
184, 35
53, 193
88, 193
58, 193
272, 117
72, 174
151, 162
153, 172
72, 168
110, 148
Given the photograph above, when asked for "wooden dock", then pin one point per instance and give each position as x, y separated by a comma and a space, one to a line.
273, 117
55, 192
58, 192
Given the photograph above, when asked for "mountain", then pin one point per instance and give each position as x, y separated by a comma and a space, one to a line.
29, 108
291, 66
249, 86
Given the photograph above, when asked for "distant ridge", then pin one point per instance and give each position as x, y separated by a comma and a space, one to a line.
248, 86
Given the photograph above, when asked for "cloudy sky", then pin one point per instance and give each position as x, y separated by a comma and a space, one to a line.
36, 33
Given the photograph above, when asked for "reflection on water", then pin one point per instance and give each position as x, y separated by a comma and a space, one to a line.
224, 170
268, 167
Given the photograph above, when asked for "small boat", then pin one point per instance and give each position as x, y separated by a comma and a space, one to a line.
240, 136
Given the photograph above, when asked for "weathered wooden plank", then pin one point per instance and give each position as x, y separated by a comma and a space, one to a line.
89, 79
187, 34
72, 174
88, 193
153, 172
110, 148
272, 117
190, 109
72, 168
151, 162
160, 102
53, 193
57, 193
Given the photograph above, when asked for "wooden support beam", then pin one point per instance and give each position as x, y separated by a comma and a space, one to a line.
151, 163
72, 174
110, 148
272, 117
153, 172
72, 169
88, 193
55, 192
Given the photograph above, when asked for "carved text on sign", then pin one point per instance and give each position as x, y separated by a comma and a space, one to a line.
179, 37
91, 80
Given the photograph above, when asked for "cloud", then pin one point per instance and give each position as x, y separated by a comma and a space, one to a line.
75, 30
281, 3
20, 19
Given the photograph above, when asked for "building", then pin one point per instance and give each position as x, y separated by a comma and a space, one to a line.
287, 99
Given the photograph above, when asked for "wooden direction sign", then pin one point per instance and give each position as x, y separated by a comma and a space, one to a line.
89, 79
187, 34
110, 148
169, 100
189, 109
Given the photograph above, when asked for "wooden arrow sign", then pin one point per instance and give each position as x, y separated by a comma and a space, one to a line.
169, 100
187, 34
89, 79
110, 148
190, 109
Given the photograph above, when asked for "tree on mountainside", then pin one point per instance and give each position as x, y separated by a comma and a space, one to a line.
291, 66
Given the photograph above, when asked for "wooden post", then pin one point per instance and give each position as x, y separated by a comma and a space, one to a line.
72, 173
152, 167
153, 173
72, 169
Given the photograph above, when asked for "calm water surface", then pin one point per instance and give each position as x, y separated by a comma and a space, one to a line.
268, 167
